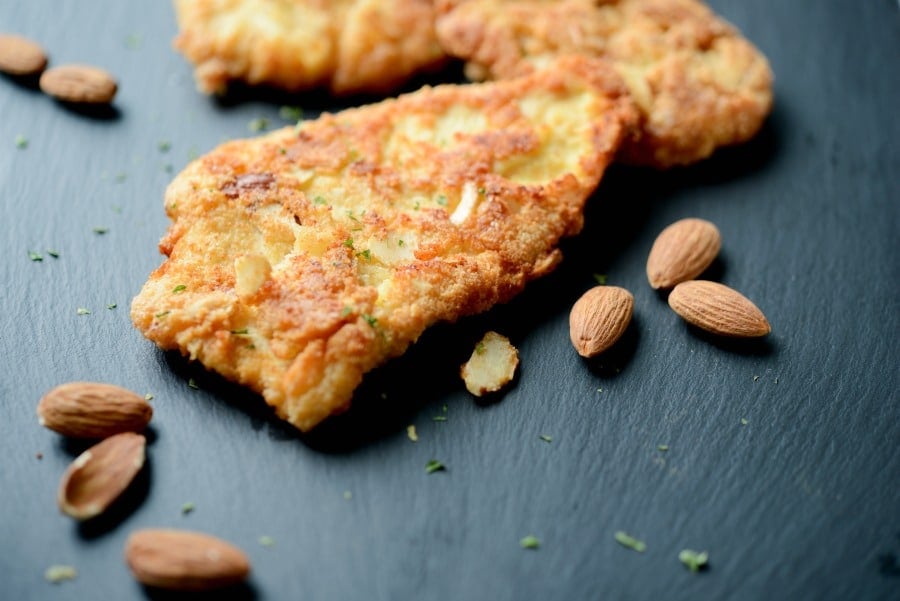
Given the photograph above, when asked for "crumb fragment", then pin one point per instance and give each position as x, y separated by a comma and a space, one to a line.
411, 433
492, 365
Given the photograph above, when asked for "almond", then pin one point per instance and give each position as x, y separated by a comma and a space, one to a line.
682, 251
99, 475
79, 84
599, 318
20, 56
183, 560
93, 410
718, 309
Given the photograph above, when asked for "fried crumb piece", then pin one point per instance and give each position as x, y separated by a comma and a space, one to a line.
492, 365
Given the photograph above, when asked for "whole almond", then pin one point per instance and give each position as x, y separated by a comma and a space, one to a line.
718, 309
682, 251
20, 56
93, 410
79, 84
99, 475
183, 560
599, 318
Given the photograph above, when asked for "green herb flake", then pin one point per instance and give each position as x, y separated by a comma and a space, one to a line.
480, 348
546, 438
482, 191
290, 113
112, 306
400, 242
148, 397
416, 206
439, 418
530, 542
35, 256
319, 200
21, 142
179, 288
662, 447
693, 560
348, 243
164, 146
365, 254
626, 540
433, 466
82, 311
348, 495
241, 332
373, 322
744, 421
600, 278
411, 433
53, 253
188, 507
100, 230
161, 314
193, 384
134, 41
282, 150
347, 310
59, 573
442, 200
258, 124
266, 541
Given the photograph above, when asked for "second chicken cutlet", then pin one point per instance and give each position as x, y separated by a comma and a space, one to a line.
301, 260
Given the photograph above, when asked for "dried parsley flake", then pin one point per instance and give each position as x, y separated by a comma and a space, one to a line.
600, 278
82, 311
179, 288
290, 113
187, 507
59, 573
21, 141
35, 256
693, 560
626, 540
434, 465
266, 541
546, 437
530, 542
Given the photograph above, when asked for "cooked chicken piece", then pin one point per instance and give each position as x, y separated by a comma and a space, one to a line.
301, 260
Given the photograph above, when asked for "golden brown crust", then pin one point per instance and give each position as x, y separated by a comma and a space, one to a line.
345, 45
699, 84
300, 260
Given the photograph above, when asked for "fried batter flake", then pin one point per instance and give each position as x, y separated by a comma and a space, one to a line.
305, 258
699, 84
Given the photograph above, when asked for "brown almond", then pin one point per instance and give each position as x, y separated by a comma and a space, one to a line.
718, 309
20, 56
99, 475
79, 84
682, 251
185, 561
599, 318
93, 410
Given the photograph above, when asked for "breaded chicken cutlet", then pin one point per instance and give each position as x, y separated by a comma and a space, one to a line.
698, 83
301, 260
346, 46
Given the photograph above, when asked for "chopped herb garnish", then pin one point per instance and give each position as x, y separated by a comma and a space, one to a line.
434, 465
82, 311
442, 200
187, 507
100, 230
348, 495
370, 320
662, 447
21, 141
148, 397
693, 560
319, 200
744, 421
134, 41
35, 256
530, 542
365, 254
290, 113
164, 146
416, 206
241, 332
411, 433
482, 190
480, 348
161, 314
259, 124
112, 306
600, 278
439, 418
348, 243
179, 288
53, 253
347, 310
626, 540
266, 541
400, 242
546, 437
193, 384
59, 573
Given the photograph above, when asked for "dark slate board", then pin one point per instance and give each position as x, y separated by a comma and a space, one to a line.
801, 502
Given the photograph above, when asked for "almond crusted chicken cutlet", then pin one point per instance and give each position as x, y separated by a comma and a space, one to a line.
699, 84
300, 260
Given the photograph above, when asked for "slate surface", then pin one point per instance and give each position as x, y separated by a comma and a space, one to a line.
801, 502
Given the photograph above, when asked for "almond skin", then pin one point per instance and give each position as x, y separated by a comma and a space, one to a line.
682, 251
93, 410
99, 475
599, 318
20, 56
184, 561
81, 84
718, 309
